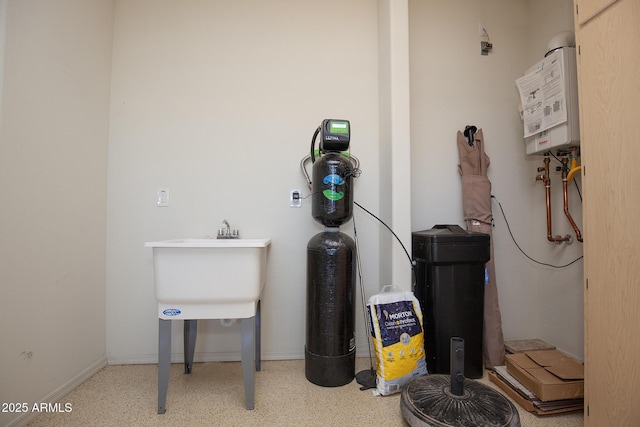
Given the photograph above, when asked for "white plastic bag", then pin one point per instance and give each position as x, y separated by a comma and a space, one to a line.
398, 339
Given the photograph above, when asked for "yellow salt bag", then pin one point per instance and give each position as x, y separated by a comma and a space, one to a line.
398, 339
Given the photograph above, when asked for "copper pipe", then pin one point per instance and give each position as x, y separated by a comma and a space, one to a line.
565, 193
546, 180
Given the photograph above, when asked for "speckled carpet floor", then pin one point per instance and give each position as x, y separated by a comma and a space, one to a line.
213, 395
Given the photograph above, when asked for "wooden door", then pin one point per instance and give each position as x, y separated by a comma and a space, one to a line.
608, 37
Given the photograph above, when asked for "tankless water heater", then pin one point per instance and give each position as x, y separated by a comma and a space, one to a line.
549, 97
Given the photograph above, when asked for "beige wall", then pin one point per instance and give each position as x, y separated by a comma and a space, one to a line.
394, 141
218, 102
453, 85
183, 100
560, 293
53, 181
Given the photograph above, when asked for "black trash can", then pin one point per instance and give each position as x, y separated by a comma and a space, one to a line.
450, 278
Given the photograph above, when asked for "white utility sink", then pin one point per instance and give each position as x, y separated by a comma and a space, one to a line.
209, 278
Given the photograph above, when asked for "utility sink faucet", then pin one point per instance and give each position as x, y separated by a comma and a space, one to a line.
225, 232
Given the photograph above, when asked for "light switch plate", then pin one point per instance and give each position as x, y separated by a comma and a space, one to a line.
162, 197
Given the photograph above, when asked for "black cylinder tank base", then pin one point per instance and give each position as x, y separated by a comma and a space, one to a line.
330, 371
330, 320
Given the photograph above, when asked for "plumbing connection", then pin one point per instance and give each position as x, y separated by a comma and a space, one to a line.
565, 194
567, 175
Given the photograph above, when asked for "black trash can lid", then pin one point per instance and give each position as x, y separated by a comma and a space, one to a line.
448, 233
451, 244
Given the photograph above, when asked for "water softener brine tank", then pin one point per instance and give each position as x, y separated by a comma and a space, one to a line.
450, 282
330, 321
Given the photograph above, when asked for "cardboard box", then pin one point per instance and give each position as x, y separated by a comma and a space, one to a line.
549, 374
537, 407
520, 346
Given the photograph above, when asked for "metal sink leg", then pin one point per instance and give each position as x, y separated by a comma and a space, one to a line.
164, 362
190, 331
257, 334
250, 355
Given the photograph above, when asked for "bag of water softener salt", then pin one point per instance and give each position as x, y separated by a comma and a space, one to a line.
398, 339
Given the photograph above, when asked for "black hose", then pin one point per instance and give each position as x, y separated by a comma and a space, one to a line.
313, 145
411, 261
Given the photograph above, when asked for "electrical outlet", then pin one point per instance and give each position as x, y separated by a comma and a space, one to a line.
295, 200
485, 47
162, 197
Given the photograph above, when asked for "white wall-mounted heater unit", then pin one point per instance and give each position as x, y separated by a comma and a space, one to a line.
549, 97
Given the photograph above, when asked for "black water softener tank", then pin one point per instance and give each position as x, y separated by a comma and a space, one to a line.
330, 335
450, 278
332, 203
330, 348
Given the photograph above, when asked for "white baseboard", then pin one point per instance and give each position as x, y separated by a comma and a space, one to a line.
62, 391
234, 356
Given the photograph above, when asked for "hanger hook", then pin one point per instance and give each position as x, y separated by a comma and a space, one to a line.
470, 133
